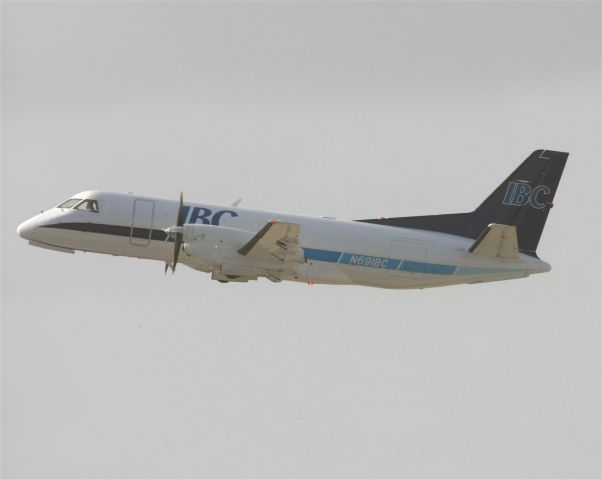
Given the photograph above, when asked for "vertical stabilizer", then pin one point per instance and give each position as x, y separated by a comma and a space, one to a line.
523, 200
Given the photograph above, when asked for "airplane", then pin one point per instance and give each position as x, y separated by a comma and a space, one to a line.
496, 241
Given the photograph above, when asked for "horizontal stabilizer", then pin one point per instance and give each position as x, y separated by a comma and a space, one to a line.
496, 241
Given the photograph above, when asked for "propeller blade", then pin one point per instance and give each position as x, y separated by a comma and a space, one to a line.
176, 250
179, 235
181, 211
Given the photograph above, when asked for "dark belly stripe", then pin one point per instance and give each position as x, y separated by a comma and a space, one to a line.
118, 230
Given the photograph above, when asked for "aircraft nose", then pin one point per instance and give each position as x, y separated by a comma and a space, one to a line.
26, 229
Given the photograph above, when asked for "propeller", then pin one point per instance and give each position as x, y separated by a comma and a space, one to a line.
178, 230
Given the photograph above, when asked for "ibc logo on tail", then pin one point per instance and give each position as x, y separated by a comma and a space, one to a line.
520, 194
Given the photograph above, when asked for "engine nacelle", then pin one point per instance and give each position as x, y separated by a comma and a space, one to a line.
214, 244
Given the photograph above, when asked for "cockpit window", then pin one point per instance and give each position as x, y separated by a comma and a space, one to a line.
88, 205
70, 203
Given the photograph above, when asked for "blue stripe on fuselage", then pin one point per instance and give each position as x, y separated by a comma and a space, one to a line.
429, 268
322, 255
354, 259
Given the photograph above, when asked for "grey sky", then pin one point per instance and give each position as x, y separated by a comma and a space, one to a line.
110, 368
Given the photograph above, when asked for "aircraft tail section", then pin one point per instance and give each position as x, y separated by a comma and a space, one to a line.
522, 200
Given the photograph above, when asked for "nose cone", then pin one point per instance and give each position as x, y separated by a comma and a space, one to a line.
27, 228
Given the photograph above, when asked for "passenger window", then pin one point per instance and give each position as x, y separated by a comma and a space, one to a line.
88, 206
70, 203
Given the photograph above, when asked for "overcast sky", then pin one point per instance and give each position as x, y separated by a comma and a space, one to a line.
354, 110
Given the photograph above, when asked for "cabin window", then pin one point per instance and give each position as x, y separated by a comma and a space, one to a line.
88, 205
70, 203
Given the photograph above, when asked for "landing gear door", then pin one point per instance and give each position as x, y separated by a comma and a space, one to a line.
412, 256
142, 222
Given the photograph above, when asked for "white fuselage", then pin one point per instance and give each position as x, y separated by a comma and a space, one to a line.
334, 251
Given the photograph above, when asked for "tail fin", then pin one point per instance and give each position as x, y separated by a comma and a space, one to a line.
523, 200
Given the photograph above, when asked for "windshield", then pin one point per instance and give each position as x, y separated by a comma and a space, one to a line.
88, 205
70, 203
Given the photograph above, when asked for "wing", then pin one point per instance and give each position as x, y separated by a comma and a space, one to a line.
275, 239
